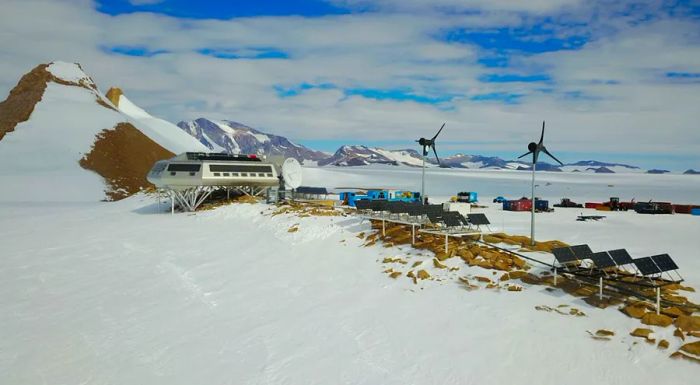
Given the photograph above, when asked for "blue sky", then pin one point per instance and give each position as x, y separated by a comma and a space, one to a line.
617, 81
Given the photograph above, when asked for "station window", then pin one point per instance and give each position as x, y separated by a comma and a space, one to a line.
244, 174
217, 174
269, 175
226, 174
173, 173
192, 173
234, 174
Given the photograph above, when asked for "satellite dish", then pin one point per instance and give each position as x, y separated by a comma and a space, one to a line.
291, 172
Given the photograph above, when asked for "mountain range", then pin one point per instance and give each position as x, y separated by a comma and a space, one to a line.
233, 137
61, 136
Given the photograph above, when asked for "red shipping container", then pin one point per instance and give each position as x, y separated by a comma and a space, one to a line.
521, 205
593, 205
682, 209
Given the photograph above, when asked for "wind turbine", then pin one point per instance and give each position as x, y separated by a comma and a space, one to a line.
428, 144
535, 149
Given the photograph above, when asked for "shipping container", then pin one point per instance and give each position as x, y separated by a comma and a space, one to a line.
682, 209
541, 205
695, 211
603, 208
592, 205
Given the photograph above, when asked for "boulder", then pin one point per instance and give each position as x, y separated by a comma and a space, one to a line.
688, 323
422, 274
692, 348
642, 332
634, 311
438, 265
656, 319
663, 344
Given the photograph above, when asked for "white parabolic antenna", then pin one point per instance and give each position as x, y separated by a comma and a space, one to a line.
291, 172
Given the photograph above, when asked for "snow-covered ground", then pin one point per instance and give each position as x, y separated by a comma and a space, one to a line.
121, 293
446, 182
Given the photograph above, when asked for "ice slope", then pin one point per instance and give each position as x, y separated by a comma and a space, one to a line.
120, 294
161, 131
40, 158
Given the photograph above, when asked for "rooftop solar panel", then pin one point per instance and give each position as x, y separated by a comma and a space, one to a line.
620, 256
664, 262
478, 219
646, 266
581, 251
564, 255
602, 260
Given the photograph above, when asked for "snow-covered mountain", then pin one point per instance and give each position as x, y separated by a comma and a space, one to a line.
62, 140
363, 155
232, 137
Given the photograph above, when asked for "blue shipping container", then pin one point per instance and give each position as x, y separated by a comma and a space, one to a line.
695, 211
542, 205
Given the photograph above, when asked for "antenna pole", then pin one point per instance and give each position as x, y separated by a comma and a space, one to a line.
532, 212
422, 187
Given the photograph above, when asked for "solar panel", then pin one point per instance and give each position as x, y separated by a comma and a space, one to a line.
602, 260
646, 266
452, 221
435, 218
581, 251
378, 205
312, 190
465, 221
620, 256
564, 255
397, 207
478, 219
664, 262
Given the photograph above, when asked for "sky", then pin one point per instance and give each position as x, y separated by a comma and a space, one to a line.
615, 81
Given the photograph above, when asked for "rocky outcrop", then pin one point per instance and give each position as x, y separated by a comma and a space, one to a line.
123, 156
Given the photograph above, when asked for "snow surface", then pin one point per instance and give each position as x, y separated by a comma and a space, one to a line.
67, 71
124, 293
162, 132
445, 182
402, 157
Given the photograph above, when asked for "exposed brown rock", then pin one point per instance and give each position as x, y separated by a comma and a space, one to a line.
438, 265
657, 319
641, 332
634, 311
113, 95
123, 156
395, 274
678, 333
23, 98
604, 333
692, 348
688, 323
422, 274
663, 344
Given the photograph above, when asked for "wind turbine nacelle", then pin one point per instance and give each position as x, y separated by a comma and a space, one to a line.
532, 146
424, 142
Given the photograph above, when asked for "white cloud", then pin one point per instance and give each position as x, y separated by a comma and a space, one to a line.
643, 113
